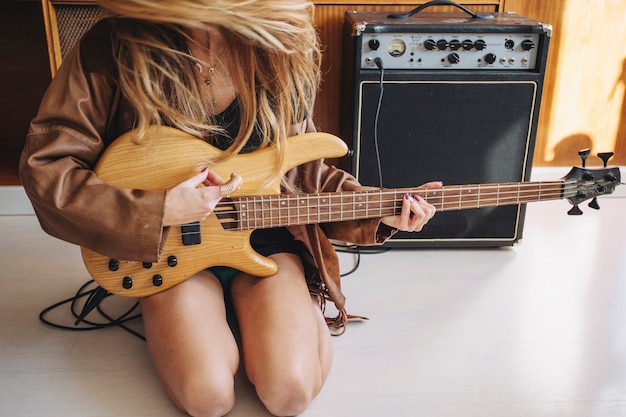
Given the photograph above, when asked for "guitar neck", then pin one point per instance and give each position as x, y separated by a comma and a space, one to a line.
260, 212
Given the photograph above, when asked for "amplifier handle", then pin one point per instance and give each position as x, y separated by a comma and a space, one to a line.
439, 3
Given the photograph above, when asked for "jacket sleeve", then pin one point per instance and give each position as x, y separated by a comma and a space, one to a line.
63, 144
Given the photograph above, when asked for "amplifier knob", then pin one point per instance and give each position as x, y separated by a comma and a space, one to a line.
467, 44
490, 58
374, 44
442, 44
480, 45
455, 44
453, 58
429, 44
527, 45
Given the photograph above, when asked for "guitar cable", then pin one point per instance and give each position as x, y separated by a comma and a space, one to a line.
95, 296
357, 249
381, 91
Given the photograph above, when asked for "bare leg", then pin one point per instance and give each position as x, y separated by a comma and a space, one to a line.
192, 346
287, 349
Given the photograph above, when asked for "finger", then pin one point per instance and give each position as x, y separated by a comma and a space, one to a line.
213, 178
432, 184
196, 180
426, 211
403, 220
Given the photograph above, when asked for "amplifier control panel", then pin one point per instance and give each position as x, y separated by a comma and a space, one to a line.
466, 51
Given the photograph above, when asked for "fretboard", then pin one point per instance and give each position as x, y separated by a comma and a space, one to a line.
261, 212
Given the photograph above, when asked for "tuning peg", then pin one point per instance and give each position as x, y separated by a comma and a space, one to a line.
584, 153
605, 156
594, 204
575, 211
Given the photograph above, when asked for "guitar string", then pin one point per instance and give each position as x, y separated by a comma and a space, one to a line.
546, 190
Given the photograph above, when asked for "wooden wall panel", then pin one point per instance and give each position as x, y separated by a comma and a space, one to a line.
24, 76
585, 94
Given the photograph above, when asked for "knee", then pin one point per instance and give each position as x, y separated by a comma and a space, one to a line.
290, 396
205, 398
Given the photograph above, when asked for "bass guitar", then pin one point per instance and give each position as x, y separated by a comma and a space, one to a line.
165, 157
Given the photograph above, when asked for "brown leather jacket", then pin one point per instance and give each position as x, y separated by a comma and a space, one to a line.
82, 112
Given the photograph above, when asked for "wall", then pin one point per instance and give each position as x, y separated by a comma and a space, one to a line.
585, 96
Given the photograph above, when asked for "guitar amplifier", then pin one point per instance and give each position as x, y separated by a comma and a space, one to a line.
445, 96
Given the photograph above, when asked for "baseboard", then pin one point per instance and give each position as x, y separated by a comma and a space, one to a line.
14, 202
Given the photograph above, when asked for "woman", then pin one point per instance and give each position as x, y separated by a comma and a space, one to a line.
242, 75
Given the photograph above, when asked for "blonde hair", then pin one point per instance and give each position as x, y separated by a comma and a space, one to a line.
272, 46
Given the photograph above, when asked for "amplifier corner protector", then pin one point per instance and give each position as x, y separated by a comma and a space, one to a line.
358, 28
547, 29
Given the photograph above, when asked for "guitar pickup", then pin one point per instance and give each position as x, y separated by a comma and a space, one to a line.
191, 233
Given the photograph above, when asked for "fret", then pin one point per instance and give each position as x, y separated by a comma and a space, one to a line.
281, 206
527, 194
341, 208
435, 197
318, 209
328, 207
353, 205
443, 198
302, 205
498, 195
488, 195
267, 206
246, 213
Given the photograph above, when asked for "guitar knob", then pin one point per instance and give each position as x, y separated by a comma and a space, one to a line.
594, 204
157, 280
127, 283
114, 265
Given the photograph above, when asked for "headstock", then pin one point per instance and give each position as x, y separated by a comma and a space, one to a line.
583, 183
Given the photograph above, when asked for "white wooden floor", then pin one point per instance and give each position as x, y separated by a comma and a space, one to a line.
538, 329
